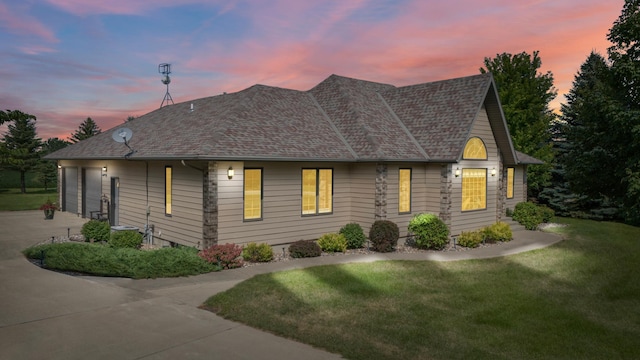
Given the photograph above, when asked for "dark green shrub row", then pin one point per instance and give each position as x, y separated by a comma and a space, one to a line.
257, 252
304, 248
103, 260
227, 256
333, 242
384, 235
126, 239
354, 234
94, 230
429, 231
531, 215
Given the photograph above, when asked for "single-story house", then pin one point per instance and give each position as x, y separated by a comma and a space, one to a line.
276, 165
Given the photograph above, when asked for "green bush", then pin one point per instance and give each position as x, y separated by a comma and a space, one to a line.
429, 231
333, 242
354, 234
531, 215
304, 248
384, 235
547, 213
101, 260
126, 239
257, 253
499, 231
470, 239
95, 230
509, 212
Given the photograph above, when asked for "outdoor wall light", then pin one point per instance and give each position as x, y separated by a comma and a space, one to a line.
59, 166
230, 173
457, 172
104, 168
493, 172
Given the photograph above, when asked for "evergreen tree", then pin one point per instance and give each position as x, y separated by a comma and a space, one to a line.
87, 129
20, 144
624, 56
525, 95
47, 169
586, 147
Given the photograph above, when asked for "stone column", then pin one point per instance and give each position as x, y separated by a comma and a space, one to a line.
381, 192
210, 205
502, 189
446, 185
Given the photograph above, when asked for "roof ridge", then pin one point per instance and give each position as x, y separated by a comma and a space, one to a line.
333, 126
404, 127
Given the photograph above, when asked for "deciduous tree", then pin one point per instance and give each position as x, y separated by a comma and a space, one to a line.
525, 94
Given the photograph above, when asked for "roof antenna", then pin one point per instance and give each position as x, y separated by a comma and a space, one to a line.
123, 135
165, 70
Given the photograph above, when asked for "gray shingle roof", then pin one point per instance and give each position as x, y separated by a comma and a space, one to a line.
340, 119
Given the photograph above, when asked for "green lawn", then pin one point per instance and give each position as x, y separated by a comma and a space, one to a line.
13, 200
579, 299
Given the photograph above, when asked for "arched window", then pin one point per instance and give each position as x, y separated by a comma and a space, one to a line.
475, 149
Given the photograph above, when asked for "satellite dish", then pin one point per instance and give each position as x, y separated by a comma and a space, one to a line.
122, 135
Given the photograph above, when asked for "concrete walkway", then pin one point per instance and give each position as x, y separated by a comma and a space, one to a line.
44, 314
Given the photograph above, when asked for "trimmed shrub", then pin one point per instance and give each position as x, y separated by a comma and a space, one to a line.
354, 234
101, 260
547, 213
226, 256
257, 252
429, 231
470, 239
499, 231
384, 235
531, 215
95, 230
304, 248
333, 242
126, 239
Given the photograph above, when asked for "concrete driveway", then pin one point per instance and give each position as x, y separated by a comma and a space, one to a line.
47, 315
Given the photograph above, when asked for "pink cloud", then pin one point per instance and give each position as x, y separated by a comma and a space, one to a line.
128, 7
17, 20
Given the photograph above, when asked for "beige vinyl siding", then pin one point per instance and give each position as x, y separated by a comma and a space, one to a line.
363, 186
519, 194
476, 219
282, 220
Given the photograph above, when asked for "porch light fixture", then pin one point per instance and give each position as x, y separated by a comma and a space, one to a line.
230, 173
59, 166
457, 172
104, 168
493, 172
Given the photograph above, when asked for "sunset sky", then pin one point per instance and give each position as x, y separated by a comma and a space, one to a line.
66, 60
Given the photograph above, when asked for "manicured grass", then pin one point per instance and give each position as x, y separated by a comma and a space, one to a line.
13, 200
103, 260
579, 299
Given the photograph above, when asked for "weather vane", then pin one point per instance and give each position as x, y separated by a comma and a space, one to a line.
165, 70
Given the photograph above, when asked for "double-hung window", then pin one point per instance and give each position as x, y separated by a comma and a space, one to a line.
252, 194
317, 191
168, 190
404, 191
510, 182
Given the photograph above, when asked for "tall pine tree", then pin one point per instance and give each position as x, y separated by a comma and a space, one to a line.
20, 145
624, 56
525, 95
87, 129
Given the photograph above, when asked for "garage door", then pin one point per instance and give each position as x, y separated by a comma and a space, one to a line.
91, 191
70, 190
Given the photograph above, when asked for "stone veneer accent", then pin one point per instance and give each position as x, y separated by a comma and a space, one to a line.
502, 189
210, 205
381, 192
446, 184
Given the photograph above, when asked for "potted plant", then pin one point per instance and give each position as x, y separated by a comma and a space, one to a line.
49, 209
